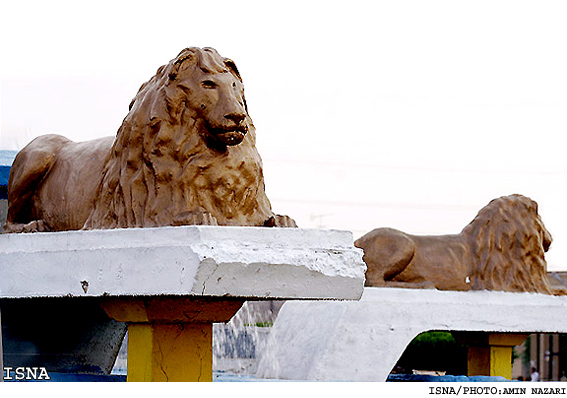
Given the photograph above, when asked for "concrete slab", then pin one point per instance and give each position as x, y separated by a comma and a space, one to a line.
362, 341
52, 285
262, 263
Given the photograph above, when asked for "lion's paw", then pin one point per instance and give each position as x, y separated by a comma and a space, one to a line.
194, 218
34, 226
280, 221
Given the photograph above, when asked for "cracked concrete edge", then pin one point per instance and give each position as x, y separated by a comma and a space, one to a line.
178, 260
273, 281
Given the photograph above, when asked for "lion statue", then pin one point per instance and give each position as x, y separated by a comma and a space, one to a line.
184, 154
501, 249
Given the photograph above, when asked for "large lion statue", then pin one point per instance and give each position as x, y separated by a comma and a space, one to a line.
501, 249
184, 154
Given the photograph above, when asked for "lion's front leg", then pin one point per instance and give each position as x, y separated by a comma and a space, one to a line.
280, 221
194, 218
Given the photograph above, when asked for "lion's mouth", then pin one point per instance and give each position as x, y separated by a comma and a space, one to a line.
231, 136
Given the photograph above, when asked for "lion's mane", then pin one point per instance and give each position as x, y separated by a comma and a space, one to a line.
507, 246
160, 155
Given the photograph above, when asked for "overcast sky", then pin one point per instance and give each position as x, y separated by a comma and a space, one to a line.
407, 114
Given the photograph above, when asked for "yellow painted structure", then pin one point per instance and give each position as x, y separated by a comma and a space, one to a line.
170, 352
490, 354
170, 338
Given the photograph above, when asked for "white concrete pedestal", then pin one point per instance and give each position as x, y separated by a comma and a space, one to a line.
155, 279
266, 263
363, 340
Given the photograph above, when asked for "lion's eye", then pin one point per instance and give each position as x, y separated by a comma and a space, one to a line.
208, 84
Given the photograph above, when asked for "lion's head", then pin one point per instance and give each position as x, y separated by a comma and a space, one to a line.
186, 147
508, 244
213, 87
201, 86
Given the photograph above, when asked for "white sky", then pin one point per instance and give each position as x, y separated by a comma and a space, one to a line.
408, 114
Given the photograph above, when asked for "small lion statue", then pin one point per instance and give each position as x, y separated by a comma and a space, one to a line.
503, 248
184, 154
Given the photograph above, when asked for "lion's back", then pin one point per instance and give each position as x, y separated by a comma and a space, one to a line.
55, 179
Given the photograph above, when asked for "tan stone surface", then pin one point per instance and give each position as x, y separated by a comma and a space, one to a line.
185, 154
503, 248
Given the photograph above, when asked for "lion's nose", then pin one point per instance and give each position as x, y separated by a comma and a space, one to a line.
547, 241
236, 117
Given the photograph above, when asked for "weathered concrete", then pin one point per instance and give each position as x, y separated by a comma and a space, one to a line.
177, 274
362, 341
264, 263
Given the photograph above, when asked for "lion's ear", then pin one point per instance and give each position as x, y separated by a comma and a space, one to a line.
173, 72
180, 63
229, 63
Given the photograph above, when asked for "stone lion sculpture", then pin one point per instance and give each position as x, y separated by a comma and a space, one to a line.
501, 249
184, 154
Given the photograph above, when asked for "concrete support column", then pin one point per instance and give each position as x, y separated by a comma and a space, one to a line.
490, 354
170, 352
478, 361
554, 357
543, 368
170, 338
